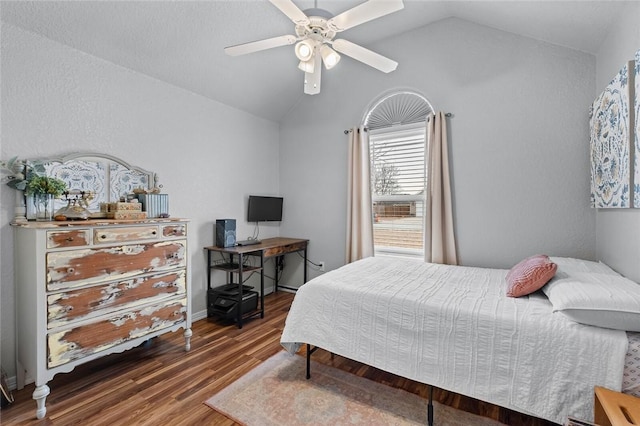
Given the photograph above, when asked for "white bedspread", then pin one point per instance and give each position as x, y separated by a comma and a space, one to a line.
454, 328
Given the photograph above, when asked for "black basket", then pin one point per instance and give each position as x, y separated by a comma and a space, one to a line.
6, 395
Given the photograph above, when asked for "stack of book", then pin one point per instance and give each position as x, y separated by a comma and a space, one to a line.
121, 210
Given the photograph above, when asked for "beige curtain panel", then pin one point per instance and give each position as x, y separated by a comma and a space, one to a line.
359, 208
440, 244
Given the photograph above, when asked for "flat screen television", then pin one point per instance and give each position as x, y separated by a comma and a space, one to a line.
264, 209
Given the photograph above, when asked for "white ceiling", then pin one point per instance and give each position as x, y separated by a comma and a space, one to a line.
181, 42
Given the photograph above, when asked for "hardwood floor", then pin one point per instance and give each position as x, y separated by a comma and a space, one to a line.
161, 384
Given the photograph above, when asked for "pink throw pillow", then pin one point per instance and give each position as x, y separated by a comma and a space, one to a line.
530, 275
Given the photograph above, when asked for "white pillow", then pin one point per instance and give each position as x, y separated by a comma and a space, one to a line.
602, 299
570, 265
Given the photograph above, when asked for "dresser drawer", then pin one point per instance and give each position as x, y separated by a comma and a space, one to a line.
124, 234
73, 268
174, 230
74, 305
289, 248
68, 238
91, 338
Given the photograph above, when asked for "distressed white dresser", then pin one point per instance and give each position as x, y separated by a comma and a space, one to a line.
86, 289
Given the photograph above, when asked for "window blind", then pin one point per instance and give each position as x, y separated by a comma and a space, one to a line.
398, 178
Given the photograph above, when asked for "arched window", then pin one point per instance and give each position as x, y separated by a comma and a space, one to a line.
397, 133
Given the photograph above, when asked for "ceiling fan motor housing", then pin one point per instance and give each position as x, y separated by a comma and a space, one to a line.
317, 28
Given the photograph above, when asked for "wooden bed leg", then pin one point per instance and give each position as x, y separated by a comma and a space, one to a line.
430, 407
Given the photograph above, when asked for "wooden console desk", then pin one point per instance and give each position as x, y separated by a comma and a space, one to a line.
269, 247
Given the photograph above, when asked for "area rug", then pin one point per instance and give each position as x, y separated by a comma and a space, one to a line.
277, 393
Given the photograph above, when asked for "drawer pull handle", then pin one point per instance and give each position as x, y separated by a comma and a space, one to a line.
70, 270
69, 308
103, 236
69, 239
153, 232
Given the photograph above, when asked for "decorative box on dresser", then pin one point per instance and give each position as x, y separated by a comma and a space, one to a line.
86, 289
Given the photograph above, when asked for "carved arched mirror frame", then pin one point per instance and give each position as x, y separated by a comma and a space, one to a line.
106, 176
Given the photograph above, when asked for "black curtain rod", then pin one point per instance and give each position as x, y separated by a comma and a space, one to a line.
366, 129
448, 114
346, 132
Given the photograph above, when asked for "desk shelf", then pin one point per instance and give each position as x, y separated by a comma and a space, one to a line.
233, 267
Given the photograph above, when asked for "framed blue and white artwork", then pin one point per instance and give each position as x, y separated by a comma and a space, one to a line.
612, 142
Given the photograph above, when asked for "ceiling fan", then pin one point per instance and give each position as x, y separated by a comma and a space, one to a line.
315, 44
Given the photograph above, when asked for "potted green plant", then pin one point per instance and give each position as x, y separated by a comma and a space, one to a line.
30, 177
44, 189
45, 185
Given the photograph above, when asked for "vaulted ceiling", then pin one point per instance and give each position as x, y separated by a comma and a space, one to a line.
181, 42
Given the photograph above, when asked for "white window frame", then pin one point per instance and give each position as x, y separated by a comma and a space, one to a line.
407, 131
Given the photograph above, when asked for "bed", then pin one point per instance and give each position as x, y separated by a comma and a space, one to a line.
453, 327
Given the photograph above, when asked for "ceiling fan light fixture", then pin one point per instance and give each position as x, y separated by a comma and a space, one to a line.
304, 50
329, 56
307, 66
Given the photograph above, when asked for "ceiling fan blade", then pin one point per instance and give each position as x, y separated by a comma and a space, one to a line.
312, 79
366, 56
292, 11
363, 13
255, 46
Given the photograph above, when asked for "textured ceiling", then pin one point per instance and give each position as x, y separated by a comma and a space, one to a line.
181, 42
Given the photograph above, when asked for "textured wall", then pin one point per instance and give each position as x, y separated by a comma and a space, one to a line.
520, 164
57, 100
618, 230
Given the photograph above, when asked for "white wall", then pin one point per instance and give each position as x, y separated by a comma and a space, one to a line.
519, 142
618, 230
57, 100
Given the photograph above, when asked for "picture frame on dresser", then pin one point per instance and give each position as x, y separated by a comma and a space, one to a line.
88, 288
